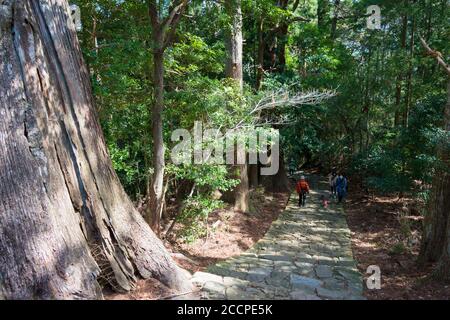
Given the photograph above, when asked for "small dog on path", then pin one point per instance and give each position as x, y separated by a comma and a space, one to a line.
324, 201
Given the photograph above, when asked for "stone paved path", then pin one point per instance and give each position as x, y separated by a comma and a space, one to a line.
306, 255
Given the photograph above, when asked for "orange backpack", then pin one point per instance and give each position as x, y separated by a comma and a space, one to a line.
302, 185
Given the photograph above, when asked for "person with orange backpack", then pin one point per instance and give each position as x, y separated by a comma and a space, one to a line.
302, 189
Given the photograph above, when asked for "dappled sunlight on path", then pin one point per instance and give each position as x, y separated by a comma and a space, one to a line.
306, 255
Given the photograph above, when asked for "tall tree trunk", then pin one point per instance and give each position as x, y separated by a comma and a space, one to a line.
260, 58
442, 270
409, 86
436, 238
282, 36
398, 90
282, 42
367, 102
334, 20
163, 32
322, 14
234, 42
66, 224
156, 188
234, 45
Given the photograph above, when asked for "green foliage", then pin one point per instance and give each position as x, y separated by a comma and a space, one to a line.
207, 177
400, 157
194, 217
192, 56
378, 78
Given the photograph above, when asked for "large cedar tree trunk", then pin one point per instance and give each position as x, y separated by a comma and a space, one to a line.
436, 238
66, 224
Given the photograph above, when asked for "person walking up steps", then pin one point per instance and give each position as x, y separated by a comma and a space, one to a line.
332, 181
341, 187
302, 189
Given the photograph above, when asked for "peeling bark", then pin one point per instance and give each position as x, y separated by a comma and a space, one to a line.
66, 225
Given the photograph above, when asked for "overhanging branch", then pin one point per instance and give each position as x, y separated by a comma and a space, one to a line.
435, 54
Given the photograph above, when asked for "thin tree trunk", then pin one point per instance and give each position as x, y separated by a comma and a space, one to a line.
163, 32
282, 42
156, 188
242, 191
66, 224
234, 45
234, 42
409, 88
334, 21
398, 96
260, 61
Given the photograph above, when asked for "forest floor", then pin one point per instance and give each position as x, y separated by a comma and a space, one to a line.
383, 235
236, 232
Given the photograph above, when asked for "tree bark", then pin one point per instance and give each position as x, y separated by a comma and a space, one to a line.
66, 225
233, 70
156, 188
409, 86
163, 32
436, 238
260, 58
334, 20
234, 42
398, 91
282, 42
442, 270
242, 191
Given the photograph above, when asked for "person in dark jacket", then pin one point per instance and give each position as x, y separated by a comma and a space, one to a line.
341, 187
